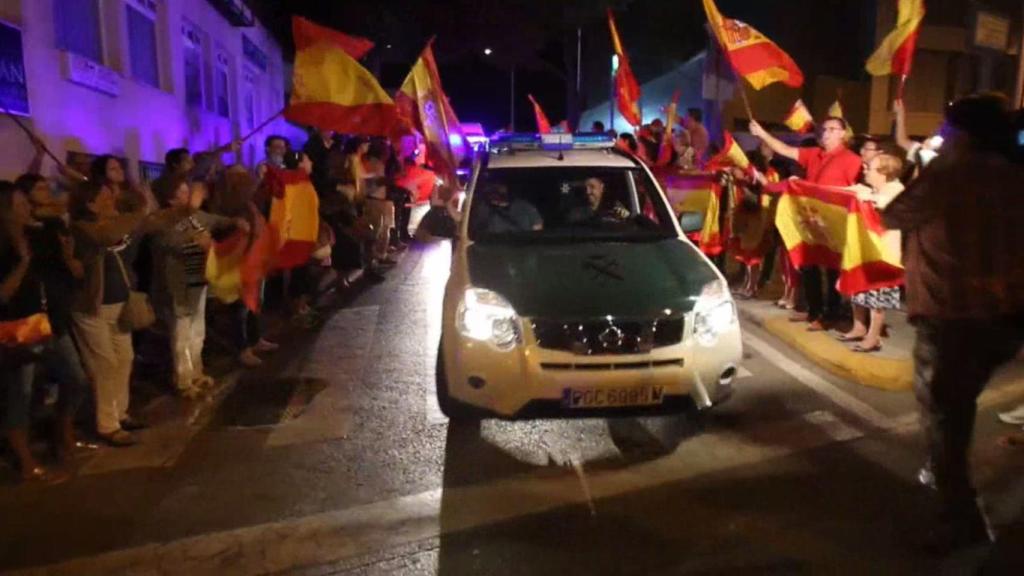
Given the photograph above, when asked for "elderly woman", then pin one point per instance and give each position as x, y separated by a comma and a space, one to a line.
882, 175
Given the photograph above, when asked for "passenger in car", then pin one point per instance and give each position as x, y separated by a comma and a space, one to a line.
502, 214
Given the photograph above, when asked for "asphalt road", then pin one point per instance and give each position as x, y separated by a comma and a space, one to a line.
334, 459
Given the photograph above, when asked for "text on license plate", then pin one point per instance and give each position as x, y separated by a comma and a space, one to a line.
612, 397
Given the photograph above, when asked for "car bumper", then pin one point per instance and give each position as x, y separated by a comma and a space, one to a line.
529, 380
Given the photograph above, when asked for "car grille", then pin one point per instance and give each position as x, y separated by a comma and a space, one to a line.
607, 337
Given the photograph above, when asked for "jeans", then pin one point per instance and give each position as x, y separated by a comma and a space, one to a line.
247, 328
187, 333
60, 360
953, 361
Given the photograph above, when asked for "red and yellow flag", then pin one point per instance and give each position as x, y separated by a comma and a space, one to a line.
896, 52
836, 111
237, 265
330, 90
627, 90
424, 105
695, 193
830, 227
543, 125
751, 53
671, 116
731, 155
294, 217
799, 118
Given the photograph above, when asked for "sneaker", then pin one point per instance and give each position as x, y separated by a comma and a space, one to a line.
249, 359
1014, 417
265, 345
118, 438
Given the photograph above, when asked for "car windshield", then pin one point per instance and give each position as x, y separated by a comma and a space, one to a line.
574, 203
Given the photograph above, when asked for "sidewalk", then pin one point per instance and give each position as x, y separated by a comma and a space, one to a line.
891, 368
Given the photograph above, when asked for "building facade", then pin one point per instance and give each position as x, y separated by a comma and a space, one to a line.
135, 78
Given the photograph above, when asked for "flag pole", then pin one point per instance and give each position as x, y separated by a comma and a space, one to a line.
746, 101
32, 136
903, 83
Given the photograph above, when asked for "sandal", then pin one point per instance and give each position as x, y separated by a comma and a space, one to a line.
44, 476
863, 350
846, 338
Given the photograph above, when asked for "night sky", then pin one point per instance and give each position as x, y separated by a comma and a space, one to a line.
538, 39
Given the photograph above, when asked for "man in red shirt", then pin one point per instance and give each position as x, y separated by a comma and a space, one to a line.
833, 164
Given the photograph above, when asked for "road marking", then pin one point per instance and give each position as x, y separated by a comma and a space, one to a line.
743, 373
818, 384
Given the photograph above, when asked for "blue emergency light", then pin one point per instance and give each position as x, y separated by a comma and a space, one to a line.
553, 141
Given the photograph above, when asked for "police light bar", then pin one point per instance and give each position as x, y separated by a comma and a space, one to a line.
553, 141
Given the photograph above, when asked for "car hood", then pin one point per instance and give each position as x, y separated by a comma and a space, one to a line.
587, 280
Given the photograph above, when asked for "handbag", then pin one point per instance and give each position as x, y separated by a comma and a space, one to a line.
137, 313
24, 334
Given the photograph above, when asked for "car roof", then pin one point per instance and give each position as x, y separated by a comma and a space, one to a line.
605, 158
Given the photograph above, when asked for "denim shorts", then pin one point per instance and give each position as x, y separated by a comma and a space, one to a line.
62, 366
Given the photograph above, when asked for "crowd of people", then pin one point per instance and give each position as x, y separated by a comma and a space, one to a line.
89, 263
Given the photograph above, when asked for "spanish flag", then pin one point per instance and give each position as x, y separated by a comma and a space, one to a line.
237, 265
697, 193
294, 217
896, 52
731, 155
424, 105
751, 53
627, 90
799, 118
830, 227
671, 116
543, 125
330, 89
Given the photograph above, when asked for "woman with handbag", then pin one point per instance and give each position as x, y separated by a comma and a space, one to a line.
105, 307
26, 338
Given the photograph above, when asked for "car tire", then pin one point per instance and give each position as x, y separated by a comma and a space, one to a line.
456, 411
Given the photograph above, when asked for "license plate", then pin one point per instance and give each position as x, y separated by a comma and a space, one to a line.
612, 397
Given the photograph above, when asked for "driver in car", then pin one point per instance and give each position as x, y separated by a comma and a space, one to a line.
502, 214
596, 207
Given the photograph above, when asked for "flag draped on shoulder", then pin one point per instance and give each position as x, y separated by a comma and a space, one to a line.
896, 52
799, 118
330, 89
424, 106
759, 60
543, 125
830, 227
627, 90
294, 216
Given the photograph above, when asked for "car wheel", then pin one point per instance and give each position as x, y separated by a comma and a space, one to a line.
456, 411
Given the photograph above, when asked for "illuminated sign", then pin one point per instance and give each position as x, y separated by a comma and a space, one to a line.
13, 84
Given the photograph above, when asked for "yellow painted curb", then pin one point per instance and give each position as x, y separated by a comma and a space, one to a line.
883, 373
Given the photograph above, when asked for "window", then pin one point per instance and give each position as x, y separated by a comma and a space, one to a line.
249, 100
222, 85
193, 55
78, 27
141, 16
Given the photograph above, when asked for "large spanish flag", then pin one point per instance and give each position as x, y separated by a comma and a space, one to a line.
424, 105
237, 265
294, 217
627, 90
830, 227
543, 124
751, 53
896, 52
799, 118
330, 89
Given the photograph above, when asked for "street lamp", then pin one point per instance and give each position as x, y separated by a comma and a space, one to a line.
487, 51
611, 93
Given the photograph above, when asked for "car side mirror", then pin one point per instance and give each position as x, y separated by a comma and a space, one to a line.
691, 221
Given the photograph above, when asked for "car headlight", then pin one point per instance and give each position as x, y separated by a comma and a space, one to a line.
486, 316
714, 313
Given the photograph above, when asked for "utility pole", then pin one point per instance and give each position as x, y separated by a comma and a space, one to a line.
611, 93
512, 101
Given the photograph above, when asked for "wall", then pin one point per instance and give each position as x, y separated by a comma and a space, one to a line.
142, 122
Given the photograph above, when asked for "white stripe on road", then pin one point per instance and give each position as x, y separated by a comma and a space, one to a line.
743, 373
818, 384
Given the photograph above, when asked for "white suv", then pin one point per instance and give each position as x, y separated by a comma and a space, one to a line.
573, 291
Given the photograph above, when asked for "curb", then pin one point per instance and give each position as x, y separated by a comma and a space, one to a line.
894, 375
